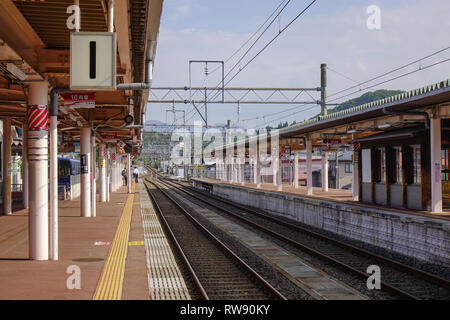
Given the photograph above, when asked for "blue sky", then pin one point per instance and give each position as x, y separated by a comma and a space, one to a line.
331, 31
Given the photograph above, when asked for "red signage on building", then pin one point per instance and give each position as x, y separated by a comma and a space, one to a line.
331, 142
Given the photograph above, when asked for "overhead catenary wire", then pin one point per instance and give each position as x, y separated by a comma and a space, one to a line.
272, 40
367, 81
248, 50
310, 108
392, 79
251, 37
391, 71
267, 44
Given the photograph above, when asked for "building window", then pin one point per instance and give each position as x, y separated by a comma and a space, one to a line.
348, 168
398, 164
416, 163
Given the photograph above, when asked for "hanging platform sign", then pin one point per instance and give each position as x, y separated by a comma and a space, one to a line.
82, 100
333, 142
111, 138
121, 145
93, 60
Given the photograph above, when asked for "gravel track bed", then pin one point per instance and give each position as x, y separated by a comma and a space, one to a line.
219, 275
280, 282
429, 292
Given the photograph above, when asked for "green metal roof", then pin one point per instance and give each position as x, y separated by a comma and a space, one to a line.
395, 98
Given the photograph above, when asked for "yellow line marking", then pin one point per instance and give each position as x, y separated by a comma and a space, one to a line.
110, 284
135, 243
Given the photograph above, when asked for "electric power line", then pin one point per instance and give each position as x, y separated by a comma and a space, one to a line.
391, 71
365, 82
392, 79
247, 51
268, 44
377, 84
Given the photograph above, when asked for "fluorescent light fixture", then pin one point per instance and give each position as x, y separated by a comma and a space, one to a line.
384, 126
19, 74
351, 131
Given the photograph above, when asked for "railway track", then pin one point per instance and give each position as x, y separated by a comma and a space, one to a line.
217, 273
403, 281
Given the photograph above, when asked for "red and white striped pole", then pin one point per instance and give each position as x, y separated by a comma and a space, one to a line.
38, 170
53, 184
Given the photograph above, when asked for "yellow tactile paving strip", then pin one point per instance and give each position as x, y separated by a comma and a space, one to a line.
110, 284
135, 243
164, 277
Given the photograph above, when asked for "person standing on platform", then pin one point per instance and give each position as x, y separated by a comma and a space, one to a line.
124, 175
136, 174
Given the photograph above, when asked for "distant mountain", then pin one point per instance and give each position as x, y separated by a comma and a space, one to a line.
365, 98
157, 126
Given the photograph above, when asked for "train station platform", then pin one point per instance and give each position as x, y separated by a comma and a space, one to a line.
338, 195
108, 251
414, 234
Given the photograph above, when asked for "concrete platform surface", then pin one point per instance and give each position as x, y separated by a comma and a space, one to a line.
337, 195
83, 243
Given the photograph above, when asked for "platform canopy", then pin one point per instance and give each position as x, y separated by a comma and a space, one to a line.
35, 43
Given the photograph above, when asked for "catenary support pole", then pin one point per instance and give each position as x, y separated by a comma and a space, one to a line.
323, 87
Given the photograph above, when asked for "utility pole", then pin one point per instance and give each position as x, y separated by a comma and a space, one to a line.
323, 89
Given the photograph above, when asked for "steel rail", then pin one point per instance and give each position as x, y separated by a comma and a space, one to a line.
425, 275
180, 251
246, 268
302, 246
